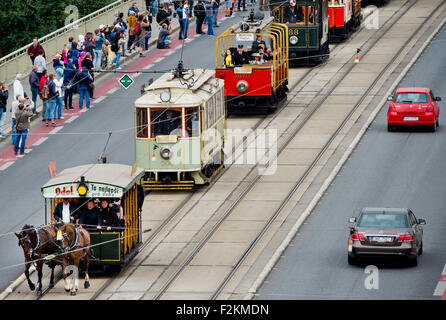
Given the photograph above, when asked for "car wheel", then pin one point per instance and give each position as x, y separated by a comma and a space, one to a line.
438, 123
390, 128
413, 262
351, 260
420, 251
433, 128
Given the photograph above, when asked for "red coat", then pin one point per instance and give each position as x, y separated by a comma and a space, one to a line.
42, 83
34, 52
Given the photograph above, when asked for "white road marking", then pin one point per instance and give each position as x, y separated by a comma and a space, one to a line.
99, 99
6, 165
169, 53
72, 119
148, 67
136, 75
55, 130
440, 289
113, 90
40, 141
84, 110
158, 60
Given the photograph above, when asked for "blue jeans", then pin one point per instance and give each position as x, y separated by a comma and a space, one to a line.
215, 10
209, 22
50, 111
2, 118
21, 135
35, 93
240, 2
83, 91
184, 26
58, 109
97, 59
13, 134
116, 59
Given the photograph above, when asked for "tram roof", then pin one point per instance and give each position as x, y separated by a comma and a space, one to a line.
119, 175
204, 86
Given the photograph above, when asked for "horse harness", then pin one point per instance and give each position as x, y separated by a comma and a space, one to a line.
76, 243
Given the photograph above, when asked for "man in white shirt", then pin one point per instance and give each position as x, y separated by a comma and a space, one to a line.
63, 212
40, 63
18, 88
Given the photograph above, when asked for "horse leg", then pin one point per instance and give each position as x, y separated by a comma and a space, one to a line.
87, 278
39, 277
64, 275
75, 280
32, 287
52, 266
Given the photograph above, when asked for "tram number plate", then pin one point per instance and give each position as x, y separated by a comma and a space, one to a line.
410, 118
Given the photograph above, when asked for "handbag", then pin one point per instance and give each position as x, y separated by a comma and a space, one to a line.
148, 34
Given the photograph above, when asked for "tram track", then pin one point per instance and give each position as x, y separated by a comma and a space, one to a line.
299, 182
188, 198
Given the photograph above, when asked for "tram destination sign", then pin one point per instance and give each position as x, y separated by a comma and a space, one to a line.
126, 81
245, 37
94, 190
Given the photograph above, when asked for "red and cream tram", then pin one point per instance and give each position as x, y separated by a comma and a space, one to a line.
344, 17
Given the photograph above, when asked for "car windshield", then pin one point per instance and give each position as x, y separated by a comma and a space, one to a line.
383, 221
411, 97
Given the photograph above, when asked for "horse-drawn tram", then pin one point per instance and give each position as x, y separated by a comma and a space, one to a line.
180, 123
116, 184
252, 59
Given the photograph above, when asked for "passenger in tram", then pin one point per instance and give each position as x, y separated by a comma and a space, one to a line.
240, 57
259, 43
171, 123
228, 59
192, 123
90, 217
294, 15
108, 215
65, 212
257, 59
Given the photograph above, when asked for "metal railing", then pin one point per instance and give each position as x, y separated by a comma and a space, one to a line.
19, 61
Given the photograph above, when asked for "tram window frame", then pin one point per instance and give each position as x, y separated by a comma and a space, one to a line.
142, 121
187, 112
153, 126
300, 23
315, 15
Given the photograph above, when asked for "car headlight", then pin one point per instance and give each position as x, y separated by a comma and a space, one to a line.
242, 86
293, 39
165, 153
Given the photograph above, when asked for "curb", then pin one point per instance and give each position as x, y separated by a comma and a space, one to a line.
291, 234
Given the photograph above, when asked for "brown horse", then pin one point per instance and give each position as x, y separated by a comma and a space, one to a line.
37, 243
75, 246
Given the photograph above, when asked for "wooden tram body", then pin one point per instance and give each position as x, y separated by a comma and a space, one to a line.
180, 130
112, 181
254, 87
307, 22
344, 17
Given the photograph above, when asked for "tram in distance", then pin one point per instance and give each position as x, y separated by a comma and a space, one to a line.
180, 123
344, 18
114, 182
252, 59
307, 22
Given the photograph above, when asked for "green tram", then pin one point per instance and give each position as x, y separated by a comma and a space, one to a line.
180, 124
98, 181
307, 22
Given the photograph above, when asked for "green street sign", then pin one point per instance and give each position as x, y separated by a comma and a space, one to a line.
126, 81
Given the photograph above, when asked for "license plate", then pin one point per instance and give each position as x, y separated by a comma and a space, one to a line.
381, 239
410, 118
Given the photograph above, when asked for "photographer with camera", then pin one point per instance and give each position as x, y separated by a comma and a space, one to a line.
22, 115
99, 41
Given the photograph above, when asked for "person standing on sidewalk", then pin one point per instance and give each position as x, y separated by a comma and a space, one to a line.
99, 41
200, 15
216, 6
147, 29
34, 84
40, 63
34, 49
68, 76
132, 26
83, 79
50, 92
183, 19
22, 126
209, 9
43, 79
58, 81
17, 86
115, 47
3, 103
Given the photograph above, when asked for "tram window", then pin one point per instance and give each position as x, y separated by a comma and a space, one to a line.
192, 122
295, 14
312, 15
141, 123
165, 122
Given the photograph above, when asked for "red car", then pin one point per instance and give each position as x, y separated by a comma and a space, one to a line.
413, 106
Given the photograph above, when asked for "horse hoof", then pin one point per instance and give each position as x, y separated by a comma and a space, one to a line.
86, 285
73, 293
67, 290
32, 287
39, 292
51, 285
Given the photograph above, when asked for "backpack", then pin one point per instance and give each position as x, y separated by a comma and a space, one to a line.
45, 92
114, 47
138, 29
69, 53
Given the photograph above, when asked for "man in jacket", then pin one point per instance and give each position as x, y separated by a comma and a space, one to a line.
3, 103
163, 15
83, 79
200, 14
34, 84
240, 57
22, 126
65, 212
68, 76
108, 214
33, 50
51, 100
99, 41
90, 217
209, 9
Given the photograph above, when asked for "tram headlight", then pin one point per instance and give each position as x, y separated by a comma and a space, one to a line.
293, 39
242, 86
166, 153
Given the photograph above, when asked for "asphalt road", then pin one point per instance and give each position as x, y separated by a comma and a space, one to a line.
400, 169
82, 142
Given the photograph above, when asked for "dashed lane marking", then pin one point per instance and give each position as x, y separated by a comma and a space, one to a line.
440, 289
71, 119
55, 130
148, 66
99, 99
6, 165
159, 59
113, 90
40, 141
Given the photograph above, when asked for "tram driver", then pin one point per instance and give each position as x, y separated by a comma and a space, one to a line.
192, 123
171, 123
295, 15
65, 212
240, 57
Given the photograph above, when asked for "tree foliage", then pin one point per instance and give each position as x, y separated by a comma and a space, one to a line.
22, 20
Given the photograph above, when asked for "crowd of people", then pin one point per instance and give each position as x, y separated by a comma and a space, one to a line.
257, 53
93, 214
